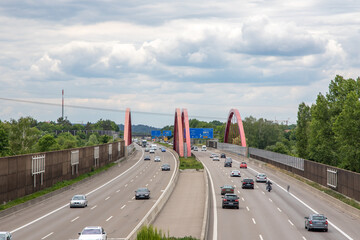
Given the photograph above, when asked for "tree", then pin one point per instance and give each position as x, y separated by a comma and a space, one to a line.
302, 129
321, 142
347, 133
66, 140
47, 143
279, 147
93, 140
4, 140
23, 135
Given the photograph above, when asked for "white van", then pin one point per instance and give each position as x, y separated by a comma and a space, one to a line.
154, 146
203, 148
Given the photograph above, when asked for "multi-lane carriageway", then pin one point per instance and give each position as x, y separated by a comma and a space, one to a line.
262, 215
111, 202
275, 215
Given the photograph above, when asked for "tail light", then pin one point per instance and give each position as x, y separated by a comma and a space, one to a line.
310, 222
251, 183
236, 200
225, 200
326, 223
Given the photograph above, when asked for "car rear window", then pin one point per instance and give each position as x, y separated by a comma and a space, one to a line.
91, 231
248, 180
318, 217
231, 196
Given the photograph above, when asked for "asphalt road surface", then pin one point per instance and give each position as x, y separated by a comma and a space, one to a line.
111, 202
278, 214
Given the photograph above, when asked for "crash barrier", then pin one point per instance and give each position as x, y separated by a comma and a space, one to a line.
340, 180
25, 174
157, 207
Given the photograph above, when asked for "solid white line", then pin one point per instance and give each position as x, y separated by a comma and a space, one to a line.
123, 207
75, 219
298, 199
253, 220
290, 222
66, 205
48, 235
109, 218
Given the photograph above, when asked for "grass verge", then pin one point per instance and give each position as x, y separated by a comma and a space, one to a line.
190, 163
56, 186
326, 190
151, 233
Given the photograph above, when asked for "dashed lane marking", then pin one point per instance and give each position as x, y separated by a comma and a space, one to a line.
75, 219
48, 235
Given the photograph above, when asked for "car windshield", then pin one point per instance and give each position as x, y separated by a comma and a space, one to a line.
243, 163
248, 180
318, 218
91, 231
142, 190
78, 197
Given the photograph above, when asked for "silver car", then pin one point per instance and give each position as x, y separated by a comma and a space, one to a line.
261, 177
316, 221
93, 233
157, 159
78, 201
5, 236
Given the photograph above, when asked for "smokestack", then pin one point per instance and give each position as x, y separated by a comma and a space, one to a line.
62, 115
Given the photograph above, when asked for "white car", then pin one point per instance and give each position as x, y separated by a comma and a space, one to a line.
235, 173
261, 177
5, 236
216, 158
78, 201
212, 155
152, 150
157, 159
93, 233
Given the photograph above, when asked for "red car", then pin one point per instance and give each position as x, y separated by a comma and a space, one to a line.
243, 165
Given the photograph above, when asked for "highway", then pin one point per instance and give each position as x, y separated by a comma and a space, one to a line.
111, 202
275, 215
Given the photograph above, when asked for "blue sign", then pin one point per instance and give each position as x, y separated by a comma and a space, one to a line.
155, 133
167, 133
203, 133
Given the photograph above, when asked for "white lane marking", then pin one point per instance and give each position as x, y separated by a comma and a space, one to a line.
298, 199
136, 176
123, 207
243, 199
66, 205
262, 192
118, 190
146, 185
232, 181
150, 180
270, 200
261, 238
247, 208
93, 207
107, 198
132, 180
290, 222
238, 191
279, 209
154, 176
126, 185
303, 237
253, 219
257, 186
133, 197
48, 235
162, 190
109, 218
75, 219
234, 185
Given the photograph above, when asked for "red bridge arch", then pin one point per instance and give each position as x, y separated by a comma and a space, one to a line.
127, 128
233, 129
181, 127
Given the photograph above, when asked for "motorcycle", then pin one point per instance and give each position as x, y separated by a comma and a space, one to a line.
268, 188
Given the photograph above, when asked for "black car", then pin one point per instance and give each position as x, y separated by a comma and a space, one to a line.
223, 155
142, 193
228, 162
147, 157
230, 200
165, 167
248, 183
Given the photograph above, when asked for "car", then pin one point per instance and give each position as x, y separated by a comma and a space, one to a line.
216, 158
195, 148
152, 150
154, 146
163, 149
147, 157
142, 193
230, 200
261, 177
247, 183
316, 221
223, 155
212, 155
165, 167
5, 236
243, 165
78, 201
147, 149
157, 159
203, 148
227, 189
235, 173
93, 233
228, 162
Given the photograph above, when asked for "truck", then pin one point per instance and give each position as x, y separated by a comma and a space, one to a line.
143, 143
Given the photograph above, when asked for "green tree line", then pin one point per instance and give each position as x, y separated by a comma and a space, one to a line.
26, 135
328, 131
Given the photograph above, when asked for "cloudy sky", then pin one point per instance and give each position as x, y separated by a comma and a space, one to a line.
263, 57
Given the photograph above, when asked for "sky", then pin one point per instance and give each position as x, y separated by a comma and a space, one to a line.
262, 57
